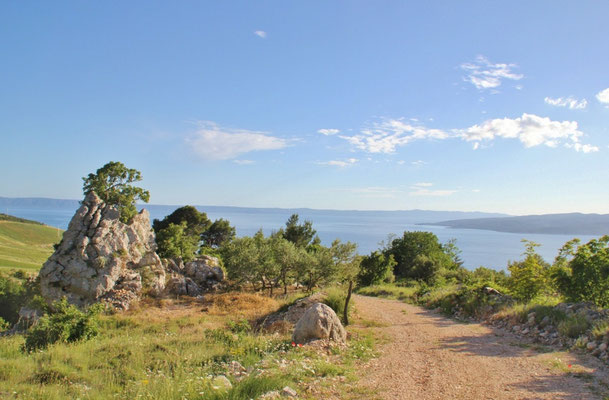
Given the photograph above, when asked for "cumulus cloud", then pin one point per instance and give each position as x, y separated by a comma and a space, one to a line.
418, 163
531, 130
485, 75
603, 96
386, 136
570, 102
212, 142
338, 163
328, 132
244, 162
423, 189
261, 34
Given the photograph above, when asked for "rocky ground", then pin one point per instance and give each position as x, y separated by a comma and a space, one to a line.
428, 356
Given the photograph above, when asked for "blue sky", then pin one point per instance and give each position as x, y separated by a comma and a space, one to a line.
441, 105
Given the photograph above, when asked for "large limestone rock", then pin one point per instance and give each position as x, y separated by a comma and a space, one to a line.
319, 322
101, 258
194, 277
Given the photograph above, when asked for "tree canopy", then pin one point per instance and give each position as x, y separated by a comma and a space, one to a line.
419, 255
112, 183
300, 234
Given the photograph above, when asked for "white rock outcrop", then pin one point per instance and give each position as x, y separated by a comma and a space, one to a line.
319, 322
102, 259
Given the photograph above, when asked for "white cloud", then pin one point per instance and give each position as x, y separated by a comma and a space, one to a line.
418, 163
338, 163
584, 148
212, 142
485, 75
423, 184
603, 96
570, 102
328, 132
386, 136
531, 130
244, 162
261, 34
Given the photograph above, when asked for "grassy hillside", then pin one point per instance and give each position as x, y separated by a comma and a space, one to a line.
25, 244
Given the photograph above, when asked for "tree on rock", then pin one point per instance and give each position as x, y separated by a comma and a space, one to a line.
112, 183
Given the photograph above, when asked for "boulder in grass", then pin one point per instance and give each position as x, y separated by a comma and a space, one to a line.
319, 322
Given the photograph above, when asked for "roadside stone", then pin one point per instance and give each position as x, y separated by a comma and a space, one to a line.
288, 392
319, 322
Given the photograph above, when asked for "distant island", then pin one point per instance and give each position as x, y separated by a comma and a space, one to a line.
567, 224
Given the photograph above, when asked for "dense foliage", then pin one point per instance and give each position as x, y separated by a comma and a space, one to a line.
112, 183
376, 268
528, 278
187, 231
582, 273
302, 235
16, 290
65, 324
420, 256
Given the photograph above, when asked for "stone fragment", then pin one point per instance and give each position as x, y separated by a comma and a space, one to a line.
288, 392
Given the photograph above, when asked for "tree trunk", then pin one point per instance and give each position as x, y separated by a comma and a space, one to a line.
346, 310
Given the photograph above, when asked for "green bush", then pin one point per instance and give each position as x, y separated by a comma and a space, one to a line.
376, 268
335, 299
241, 326
65, 324
573, 326
3, 325
12, 297
586, 276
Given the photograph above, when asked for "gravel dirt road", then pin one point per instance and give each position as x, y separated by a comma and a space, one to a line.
425, 355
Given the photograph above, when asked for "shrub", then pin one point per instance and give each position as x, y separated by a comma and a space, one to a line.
3, 325
335, 299
12, 297
573, 326
376, 268
528, 277
586, 276
241, 326
65, 324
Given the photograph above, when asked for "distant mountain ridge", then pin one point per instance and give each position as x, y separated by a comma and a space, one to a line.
414, 216
568, 224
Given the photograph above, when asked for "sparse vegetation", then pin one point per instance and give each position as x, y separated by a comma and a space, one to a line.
170, 349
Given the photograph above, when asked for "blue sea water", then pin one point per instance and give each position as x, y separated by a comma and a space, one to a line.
366, 228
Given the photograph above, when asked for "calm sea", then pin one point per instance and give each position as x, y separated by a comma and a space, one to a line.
366, 228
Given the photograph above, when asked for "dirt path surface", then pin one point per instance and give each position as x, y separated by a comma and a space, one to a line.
429, 356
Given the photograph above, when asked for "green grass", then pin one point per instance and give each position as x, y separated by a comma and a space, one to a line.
389, 291
26, 245
172, 350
